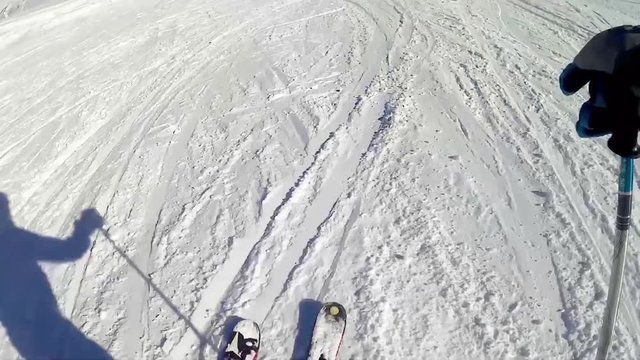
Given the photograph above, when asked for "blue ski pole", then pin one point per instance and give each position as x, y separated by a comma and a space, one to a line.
623, 221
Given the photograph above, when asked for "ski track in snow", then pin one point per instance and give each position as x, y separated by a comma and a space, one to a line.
412, 160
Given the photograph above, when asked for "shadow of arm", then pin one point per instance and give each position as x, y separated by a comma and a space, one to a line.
52, 249
72, 248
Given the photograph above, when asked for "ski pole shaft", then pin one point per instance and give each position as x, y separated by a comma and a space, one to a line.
623, 221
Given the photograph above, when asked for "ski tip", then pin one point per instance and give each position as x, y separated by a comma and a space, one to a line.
335, 310
245, 341
248, 327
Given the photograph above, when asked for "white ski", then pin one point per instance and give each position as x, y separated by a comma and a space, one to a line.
327, 332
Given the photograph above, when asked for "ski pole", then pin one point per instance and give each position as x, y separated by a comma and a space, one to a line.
623, 221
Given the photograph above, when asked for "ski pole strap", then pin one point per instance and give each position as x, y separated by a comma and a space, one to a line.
625, 190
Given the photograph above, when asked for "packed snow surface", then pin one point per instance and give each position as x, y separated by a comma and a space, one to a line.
413, 160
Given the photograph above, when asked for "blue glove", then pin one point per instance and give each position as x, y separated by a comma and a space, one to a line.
610, 63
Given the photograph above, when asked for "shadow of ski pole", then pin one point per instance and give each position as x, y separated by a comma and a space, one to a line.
203, 339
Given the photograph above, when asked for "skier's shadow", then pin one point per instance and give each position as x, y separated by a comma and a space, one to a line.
28, 308
307, 313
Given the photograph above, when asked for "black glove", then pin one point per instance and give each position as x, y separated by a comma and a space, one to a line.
610, 63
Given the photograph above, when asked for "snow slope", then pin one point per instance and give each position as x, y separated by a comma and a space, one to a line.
413, 160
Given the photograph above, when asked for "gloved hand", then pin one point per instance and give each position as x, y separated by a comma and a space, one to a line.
610, 63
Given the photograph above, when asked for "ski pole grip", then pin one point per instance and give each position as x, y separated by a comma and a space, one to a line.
624, 142
623, 100
624, 137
